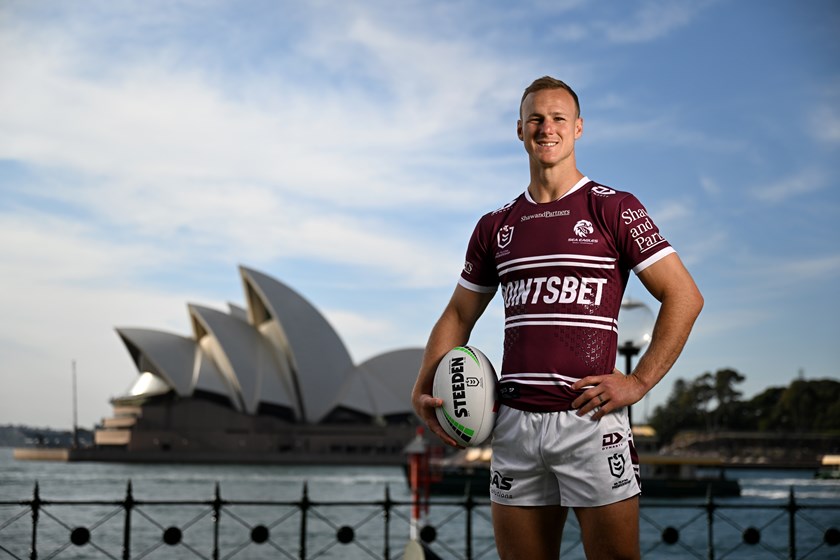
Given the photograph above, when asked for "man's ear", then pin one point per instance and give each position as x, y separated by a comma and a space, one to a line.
578, 127
519, 130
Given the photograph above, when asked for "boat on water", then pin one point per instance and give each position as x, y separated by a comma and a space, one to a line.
829, 468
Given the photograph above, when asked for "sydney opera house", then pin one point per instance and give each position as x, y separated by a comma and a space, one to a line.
270, 382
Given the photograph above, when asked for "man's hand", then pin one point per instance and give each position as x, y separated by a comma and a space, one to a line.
607, 393
451, 330
425, 406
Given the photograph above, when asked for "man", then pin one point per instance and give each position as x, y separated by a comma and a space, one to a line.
562, 252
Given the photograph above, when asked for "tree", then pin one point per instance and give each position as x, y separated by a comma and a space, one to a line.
682, 411
756, 413
703, 392
805, 405
726, 396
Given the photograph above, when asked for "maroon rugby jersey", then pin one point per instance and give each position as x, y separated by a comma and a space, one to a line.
563, 267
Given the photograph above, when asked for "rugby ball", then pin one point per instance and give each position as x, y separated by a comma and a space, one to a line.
466, 382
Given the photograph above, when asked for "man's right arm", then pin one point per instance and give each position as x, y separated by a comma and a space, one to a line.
451, 330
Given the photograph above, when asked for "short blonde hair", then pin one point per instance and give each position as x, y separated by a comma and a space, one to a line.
547, 82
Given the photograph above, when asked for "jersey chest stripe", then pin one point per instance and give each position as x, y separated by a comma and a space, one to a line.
603, 319
555, 257
560, 324
558, 256
535, 376
550, 383
505, 270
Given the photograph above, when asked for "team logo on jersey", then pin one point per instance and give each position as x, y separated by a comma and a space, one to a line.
601, 190
504, 237
616, 463
468, 266
584, 228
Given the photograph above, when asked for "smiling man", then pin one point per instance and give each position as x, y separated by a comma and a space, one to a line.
562, 252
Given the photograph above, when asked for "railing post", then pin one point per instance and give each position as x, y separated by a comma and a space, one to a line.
304, 508
468, 506
792, 508
710, 521
386, 512
217, 514
128, 505
36, 506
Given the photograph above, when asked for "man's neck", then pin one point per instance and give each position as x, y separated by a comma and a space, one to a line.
550, 184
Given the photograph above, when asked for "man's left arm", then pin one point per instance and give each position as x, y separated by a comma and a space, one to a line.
669, 282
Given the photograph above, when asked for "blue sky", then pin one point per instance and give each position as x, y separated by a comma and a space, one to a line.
347, 149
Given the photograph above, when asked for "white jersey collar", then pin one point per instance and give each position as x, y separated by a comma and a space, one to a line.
576, 187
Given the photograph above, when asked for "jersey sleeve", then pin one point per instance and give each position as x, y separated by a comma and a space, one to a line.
479, 273
639, 240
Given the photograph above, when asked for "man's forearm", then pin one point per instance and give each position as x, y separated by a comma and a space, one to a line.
674, 322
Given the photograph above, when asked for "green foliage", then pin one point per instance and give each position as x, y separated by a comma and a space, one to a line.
712, 403
808, 406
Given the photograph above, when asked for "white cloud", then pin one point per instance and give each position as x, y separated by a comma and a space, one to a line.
710, 186
163, 121
368, 335
653, 20
788, 187
716, 322
64, 311
666, 127
813, 268
825, 124
158, 153
648, 21
672, 211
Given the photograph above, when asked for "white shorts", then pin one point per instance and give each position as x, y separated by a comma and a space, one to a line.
560, 458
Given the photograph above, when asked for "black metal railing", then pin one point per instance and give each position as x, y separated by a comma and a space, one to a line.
305, 529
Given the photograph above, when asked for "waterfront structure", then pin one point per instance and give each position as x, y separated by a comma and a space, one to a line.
268, 382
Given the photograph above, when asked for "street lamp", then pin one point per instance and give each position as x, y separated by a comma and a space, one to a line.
635, 326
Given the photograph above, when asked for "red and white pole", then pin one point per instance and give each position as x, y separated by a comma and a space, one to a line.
418, 478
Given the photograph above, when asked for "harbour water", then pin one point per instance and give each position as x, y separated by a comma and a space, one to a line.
347, 506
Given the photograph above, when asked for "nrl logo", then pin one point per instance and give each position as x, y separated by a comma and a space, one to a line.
504, 237
616, 463
583, 228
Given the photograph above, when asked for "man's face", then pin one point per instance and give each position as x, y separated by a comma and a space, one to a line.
549, 126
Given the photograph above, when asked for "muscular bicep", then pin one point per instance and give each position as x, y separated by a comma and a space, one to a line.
669, 277
467, 305
452, 329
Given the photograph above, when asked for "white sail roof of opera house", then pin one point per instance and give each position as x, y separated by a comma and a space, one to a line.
378, 387
245, 358
278, 353
178, 361
315, 353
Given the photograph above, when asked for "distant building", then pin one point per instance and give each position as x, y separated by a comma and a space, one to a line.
270, 382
